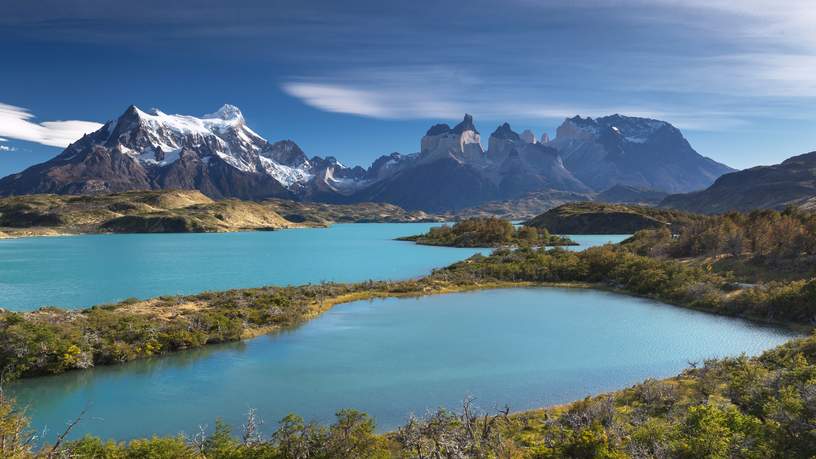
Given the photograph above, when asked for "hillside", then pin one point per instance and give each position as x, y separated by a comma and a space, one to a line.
790, 183
598, 218
316, 213
134, 211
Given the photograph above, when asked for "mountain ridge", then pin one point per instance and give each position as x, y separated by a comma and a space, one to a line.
789, 183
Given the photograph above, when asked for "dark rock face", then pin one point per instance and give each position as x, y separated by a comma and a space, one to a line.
441, 185
465, 125
638, 152
524, 167
790, 183
504, 132
285, 152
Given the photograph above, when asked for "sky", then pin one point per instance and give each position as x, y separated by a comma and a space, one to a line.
356, 79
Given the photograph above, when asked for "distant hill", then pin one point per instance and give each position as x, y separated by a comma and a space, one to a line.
790, 183
599, 218
626, 194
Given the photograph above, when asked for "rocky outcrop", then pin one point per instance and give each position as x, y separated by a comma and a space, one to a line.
460, 143
528, 136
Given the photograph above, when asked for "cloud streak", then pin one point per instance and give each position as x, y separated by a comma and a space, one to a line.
16, 123
436, 94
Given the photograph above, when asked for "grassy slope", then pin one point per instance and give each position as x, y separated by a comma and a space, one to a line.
135, 211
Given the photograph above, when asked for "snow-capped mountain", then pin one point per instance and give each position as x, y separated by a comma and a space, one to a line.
639, 152
216, 153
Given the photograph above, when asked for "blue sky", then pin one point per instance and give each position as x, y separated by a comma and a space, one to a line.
357, 79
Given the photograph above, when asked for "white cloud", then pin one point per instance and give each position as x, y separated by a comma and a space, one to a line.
389, 102
15, 123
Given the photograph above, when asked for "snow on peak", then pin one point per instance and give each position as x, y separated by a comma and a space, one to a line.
156, 138
227, 112
632, 129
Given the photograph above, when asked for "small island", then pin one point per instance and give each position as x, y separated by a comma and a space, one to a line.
487, 232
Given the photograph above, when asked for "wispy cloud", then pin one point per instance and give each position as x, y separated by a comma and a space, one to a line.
434, 93
16, 123
701, 64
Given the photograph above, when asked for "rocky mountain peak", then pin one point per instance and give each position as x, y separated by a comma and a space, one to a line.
528, 136
438, 129
505, 132
285, 152
465, 125
227, 112
461, 143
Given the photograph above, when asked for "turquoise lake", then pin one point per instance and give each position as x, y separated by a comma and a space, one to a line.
80, 271
522, 347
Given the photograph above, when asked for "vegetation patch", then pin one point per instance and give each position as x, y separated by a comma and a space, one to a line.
487, 232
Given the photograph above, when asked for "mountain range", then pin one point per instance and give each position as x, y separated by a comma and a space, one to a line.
221, 156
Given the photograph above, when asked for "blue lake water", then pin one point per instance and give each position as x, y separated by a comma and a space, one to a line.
522, 347
80, 271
